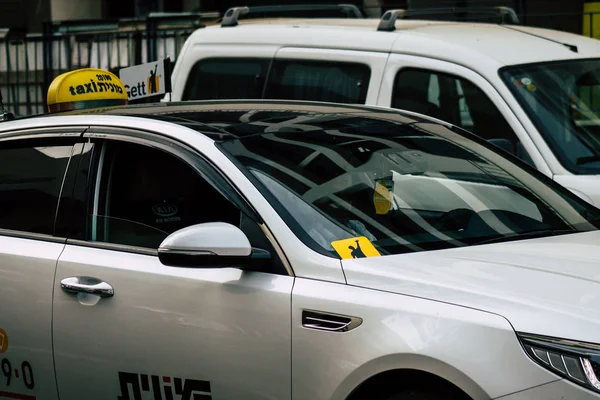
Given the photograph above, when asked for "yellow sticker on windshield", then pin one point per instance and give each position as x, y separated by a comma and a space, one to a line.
358, 247
531, 87
382, 196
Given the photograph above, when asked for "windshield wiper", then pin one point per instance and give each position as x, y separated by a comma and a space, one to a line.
588, 159
527, 235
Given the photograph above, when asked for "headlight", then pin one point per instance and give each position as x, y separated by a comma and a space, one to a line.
576, 361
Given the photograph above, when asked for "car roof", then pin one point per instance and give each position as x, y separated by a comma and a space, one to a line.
225, 119
466, 43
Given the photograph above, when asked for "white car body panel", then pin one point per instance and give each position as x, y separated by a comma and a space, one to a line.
26, 276
532, 282
487, 47
559, 390
201, 324
403, 332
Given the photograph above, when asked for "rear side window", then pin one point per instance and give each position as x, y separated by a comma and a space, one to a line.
226, 78
31, 177
338, 82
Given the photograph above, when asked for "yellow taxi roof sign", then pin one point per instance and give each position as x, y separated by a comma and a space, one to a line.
85, 88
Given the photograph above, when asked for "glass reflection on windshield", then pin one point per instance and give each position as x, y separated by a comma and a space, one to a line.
407, 189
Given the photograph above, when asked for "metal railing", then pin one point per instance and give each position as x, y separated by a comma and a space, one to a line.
29, 62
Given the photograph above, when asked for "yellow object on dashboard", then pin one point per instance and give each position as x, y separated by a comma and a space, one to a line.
591, 19
85, 88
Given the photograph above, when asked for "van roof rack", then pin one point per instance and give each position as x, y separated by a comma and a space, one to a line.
231, 16
388, 20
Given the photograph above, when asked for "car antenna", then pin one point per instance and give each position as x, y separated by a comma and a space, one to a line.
571, 47
4, 114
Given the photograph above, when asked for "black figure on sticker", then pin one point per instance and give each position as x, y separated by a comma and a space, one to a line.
153, 88
357, 251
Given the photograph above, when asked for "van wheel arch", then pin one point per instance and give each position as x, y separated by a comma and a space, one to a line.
413, 383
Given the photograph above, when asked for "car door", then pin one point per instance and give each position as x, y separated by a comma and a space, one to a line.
329, 75
159, 332
33, 167
460, 96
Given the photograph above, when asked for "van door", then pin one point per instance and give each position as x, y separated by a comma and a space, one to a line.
458, 95
338, 76
213, 72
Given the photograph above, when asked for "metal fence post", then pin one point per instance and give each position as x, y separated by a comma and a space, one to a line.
95, 42
151, 40
8, 67
48, 59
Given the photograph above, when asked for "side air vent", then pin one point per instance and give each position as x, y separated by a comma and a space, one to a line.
329, 322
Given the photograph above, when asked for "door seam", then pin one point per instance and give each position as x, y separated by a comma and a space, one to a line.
52, 320
292, 339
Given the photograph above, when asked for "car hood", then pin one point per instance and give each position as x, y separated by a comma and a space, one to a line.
548, 286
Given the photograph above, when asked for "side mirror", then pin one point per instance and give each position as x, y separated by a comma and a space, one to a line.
210, 245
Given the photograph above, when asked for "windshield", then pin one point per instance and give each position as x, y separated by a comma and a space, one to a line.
563, 101
402, 187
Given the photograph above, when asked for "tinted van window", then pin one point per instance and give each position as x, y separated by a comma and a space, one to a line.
226, 78
458, 101
337, 82
31, 176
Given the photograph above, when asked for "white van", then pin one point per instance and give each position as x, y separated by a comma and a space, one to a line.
533, 92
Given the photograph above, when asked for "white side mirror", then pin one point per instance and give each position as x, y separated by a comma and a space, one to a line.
209, 245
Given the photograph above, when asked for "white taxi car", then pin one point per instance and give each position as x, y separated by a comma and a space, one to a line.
533, 92
287, 250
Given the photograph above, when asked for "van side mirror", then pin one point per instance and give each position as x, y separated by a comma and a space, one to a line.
211, 245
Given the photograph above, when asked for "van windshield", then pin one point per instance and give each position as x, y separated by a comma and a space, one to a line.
562, 99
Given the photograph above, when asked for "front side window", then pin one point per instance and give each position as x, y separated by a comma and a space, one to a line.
405, 187
227, 78
336, 82
31, 176
146, 194
458, 101
563, 101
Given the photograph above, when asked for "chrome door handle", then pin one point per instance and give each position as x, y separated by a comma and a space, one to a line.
84, 284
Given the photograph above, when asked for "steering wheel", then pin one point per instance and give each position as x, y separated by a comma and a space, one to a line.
454, 220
